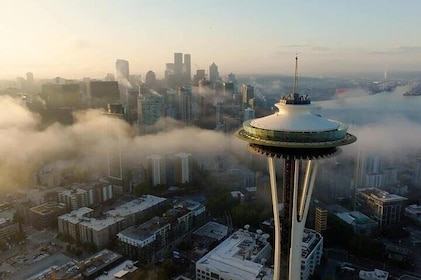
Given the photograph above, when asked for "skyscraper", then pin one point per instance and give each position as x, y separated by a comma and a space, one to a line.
156, 170
187, 68
101, 93
178, 74
185, 103
247, 92
150, 79
122, 69
150, 108
178, 64
182, 172
213, 73
114, 159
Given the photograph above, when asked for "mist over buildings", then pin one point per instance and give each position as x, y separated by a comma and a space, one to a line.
25, 147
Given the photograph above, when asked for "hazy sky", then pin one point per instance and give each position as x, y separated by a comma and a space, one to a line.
74, 39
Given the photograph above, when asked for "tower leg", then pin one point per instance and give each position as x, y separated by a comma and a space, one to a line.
287, 214
277, 226
299, 217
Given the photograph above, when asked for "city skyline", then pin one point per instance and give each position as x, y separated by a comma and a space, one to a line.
78, 39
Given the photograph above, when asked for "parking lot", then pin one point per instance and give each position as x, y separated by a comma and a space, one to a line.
39, 251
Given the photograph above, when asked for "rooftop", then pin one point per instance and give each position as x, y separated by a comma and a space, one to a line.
355, 217
377, 274
98, 261
48, 208
136, 206
311, 239
145, 230
212, 230
236, 254
76, 216
381, 195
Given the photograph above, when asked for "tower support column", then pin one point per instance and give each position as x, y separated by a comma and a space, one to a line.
276, 220
302, 198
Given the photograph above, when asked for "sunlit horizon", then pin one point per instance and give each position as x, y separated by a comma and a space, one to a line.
83, 39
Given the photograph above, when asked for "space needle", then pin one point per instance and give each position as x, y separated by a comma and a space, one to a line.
299, 137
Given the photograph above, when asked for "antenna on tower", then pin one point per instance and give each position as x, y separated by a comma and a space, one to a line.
295, 89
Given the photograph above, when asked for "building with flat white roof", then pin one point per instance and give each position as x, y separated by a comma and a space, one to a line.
134, 210
81, 225
243, 255
240, 256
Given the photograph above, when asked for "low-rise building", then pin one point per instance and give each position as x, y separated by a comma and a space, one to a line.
83, 227
7, 229
384, 208
413, 213
141, 242
198, 210
241, 256
361, 224
80, 225
133, 211
74, 198
376, 274
45, 215
244, 254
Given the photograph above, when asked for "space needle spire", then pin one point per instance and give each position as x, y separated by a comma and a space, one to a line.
297, 136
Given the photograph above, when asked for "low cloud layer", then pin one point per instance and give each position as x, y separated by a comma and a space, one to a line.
25, 148
387, 124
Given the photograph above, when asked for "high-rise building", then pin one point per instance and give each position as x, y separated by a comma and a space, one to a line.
178, 74
247, 92
416, 173
150, 107
182, 168
384, 208
67, 95
321, 220
178, 64
114, 158
187, 68
101, 93
156, 170
213, 73
150, 79
200, 76
249, 114
231, 78
367, 164
185, 104
122, 69
229, 89
29, 78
